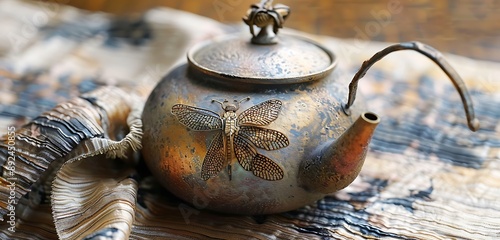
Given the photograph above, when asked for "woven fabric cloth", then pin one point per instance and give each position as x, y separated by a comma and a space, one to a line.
426, 175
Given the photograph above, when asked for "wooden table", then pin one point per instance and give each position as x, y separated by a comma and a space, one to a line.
468, 28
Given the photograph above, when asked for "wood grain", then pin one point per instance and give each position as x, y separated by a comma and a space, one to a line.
469, 28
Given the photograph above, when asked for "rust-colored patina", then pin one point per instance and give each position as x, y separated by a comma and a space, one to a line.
273, 108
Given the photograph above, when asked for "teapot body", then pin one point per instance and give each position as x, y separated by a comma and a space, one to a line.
262, 126
310, 116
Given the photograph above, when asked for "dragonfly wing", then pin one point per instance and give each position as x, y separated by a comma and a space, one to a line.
261, 114
197, 119
244, 152
266, 168
264, 138
212, 164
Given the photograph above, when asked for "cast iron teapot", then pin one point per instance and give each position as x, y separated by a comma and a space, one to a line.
260, 126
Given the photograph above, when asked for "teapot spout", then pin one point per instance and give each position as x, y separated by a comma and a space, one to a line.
336, 165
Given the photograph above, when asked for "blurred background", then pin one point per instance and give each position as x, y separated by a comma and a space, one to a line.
464, 27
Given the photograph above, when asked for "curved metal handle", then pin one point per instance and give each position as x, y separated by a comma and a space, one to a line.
437, 58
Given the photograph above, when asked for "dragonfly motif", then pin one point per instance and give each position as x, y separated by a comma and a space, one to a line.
239, 136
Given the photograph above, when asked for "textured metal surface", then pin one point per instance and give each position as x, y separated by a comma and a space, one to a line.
242, 134
268, 18
433, 55
234, 59
328, 166
311, 116
342, 160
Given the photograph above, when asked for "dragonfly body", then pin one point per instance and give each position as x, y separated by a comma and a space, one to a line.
230, 126
238, 137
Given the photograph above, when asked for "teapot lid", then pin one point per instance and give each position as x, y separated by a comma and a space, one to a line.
267, 58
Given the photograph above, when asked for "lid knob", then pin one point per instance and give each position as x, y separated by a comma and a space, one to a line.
264, 15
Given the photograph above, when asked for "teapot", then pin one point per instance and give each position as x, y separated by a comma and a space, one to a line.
258, 126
